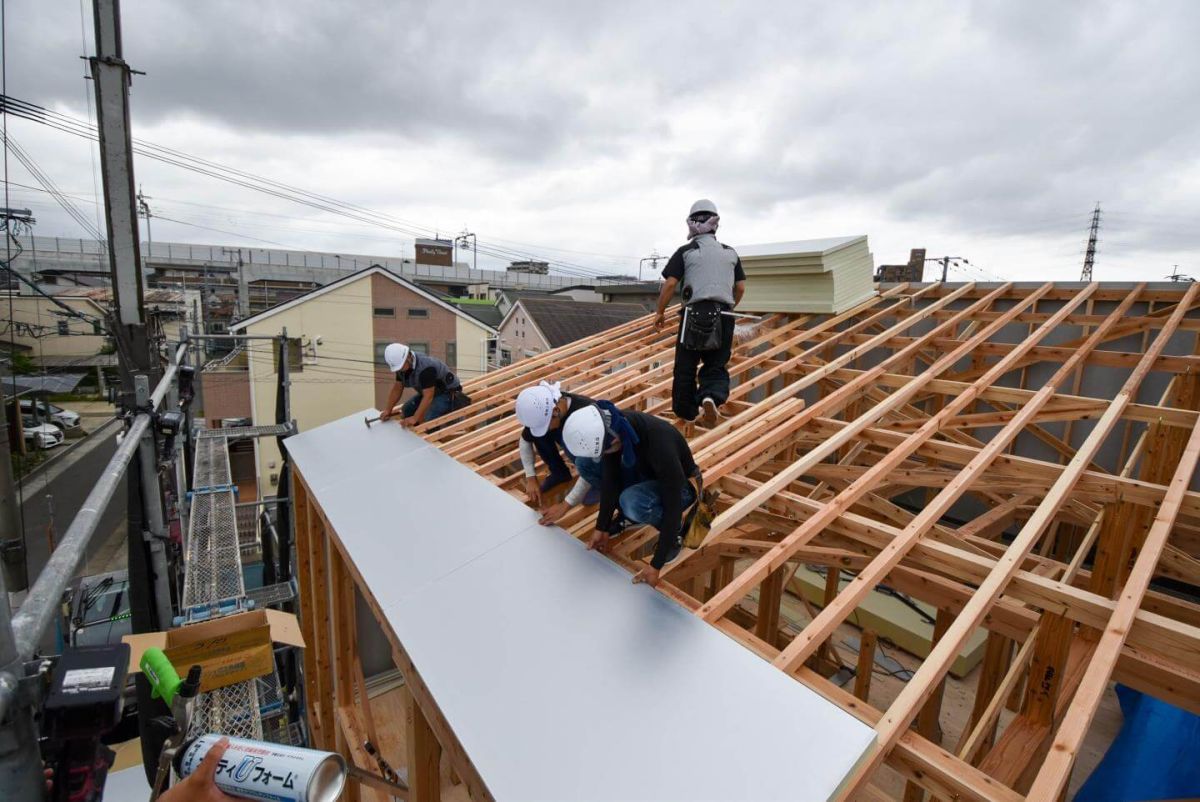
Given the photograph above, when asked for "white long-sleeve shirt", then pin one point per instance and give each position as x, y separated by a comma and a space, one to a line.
529, 464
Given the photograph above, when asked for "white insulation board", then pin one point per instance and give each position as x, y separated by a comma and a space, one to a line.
561, 679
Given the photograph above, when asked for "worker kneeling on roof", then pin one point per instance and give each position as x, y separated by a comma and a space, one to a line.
647, 473
542, 410
438, 390
713, 283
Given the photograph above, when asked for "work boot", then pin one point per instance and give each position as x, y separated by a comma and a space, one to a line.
709, 413
619, 524
674, 552
554, 480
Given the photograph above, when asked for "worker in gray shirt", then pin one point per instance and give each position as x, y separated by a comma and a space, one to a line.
713, 283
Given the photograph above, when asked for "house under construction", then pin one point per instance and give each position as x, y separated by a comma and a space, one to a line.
1018, 458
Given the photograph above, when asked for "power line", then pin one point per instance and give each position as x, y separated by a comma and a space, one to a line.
67, 124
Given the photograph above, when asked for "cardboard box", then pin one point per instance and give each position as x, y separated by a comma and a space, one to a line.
229, 650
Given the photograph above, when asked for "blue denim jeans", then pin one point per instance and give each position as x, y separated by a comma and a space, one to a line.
440, 405
642, 502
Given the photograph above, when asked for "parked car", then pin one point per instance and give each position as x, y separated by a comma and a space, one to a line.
41, 435
62, 418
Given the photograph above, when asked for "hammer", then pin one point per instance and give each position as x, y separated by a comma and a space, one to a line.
369, 421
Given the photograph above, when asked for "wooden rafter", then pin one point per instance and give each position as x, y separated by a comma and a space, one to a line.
855, 441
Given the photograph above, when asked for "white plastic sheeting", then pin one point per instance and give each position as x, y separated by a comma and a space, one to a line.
561, 679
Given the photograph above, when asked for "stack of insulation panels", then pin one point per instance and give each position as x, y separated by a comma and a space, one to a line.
824, 276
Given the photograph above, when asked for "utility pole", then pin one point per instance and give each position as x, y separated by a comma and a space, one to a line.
12, 541
945, 262
243, 292
653, 259
462, 239
144, 211
149, 603
1089, 258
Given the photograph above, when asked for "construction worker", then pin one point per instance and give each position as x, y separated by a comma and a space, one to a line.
713, 283
438, 390
542, 410
644, 470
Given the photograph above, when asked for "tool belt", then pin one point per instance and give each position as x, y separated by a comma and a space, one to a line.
698, 518
701, 328
458, 399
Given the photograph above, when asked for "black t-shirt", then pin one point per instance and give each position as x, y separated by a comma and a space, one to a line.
674, 268
574, 404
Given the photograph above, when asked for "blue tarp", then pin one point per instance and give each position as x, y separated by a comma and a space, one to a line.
1156, 755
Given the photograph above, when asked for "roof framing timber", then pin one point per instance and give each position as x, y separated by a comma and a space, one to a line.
951, 441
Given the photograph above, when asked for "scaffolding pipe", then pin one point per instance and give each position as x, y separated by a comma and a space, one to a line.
44, 597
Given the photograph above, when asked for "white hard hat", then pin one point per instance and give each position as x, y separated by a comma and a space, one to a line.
703, 205
395, 355
583, 433
535, 407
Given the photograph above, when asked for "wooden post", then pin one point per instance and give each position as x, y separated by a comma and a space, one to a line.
424, 754
927, 720
770, 594
866, 665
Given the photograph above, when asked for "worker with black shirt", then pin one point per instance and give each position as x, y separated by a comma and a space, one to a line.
646, 470
542, 409
438, 390
713, 283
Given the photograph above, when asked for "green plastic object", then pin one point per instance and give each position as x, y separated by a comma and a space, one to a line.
164, 680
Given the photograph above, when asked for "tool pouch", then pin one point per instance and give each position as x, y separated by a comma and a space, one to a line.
698, 518
700, 329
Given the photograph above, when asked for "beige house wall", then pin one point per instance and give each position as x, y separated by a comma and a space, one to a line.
328, 386
520, 336
39, 316
472, 349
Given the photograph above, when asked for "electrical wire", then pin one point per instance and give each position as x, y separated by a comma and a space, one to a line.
278, 189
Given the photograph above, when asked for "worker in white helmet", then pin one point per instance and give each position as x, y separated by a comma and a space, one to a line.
438, 390
713, 284
646, 473
542, 409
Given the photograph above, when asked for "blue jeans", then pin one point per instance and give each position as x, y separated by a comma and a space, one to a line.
440, 405
642, 502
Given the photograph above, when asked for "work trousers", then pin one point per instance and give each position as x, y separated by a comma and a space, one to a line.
441, 404
547, 448
686, 392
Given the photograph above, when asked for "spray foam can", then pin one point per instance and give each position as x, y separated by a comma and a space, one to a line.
260, 770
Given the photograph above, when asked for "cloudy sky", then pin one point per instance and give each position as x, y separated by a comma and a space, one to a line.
582, 132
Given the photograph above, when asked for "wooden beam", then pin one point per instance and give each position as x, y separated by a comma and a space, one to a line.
423, 753
906, 705
865, 667
1052, 777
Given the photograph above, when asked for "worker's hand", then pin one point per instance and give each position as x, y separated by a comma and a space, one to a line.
599, 542
553, 513
200, 785
410, 422
659, 320
649, 575
385, 414
533, 490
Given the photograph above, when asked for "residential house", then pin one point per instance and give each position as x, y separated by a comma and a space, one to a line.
644, 293
336, 336
535, 325
48, 329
